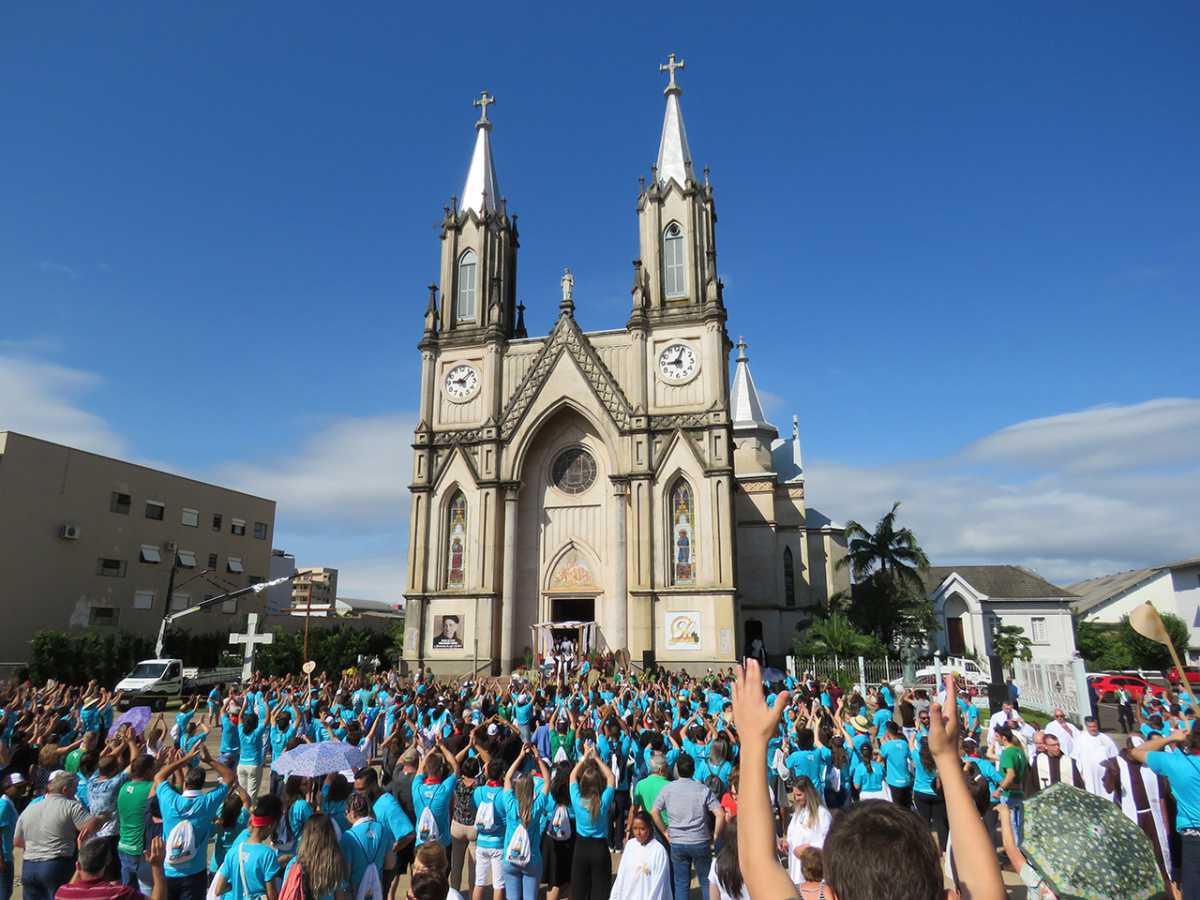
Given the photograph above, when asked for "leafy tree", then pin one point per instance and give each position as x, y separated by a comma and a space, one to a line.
1148, 654
889, 551
1010, 644
836, 635
888, 598
1102, 646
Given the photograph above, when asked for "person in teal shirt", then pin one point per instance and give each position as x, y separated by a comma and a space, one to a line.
929, 804
198, 807
526, 805
896, 752
366, 843
14, 786
249, 866
433, 789
489, 841
321, 860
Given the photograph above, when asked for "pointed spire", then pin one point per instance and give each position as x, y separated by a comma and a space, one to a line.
481, 192
745, 406
674, 157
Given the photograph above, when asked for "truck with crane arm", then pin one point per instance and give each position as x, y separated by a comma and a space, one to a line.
154, 682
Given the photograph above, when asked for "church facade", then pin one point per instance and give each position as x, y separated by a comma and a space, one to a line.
616, 477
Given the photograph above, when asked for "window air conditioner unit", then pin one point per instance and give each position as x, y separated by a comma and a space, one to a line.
70, 532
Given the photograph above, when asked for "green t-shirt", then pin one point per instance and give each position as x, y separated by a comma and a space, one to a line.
131, 814
72, 761
1014, 758
648, 790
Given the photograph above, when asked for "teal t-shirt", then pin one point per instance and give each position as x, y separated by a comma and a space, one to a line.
539, 817
895, 757
249, 868
200, 810
585, 825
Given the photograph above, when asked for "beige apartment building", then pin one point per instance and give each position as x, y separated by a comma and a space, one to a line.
315, 589
87, 541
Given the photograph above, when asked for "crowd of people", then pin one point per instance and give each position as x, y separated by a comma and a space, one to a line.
584, 784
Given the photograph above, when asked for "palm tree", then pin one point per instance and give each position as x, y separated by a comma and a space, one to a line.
1009, 643
835, 636
890, 552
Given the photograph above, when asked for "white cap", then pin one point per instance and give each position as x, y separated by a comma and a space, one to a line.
16, 778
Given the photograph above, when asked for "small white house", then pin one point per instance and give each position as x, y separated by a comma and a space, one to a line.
1171, 588
970, 602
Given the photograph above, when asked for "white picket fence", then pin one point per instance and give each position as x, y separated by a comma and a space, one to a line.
1047, 686
855, 669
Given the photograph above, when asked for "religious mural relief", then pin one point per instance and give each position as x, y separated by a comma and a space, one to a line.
573, 573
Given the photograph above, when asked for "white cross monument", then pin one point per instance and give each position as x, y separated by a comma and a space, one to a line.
250, 638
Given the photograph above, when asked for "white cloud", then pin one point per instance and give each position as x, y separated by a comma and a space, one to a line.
353, 473
43, 399
1080, 494
1106, 438
57, 268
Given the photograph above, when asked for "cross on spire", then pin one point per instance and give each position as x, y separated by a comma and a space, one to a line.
669, 67
484, 100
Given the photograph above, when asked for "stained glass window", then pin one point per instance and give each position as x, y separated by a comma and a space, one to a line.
456, 542
683, 535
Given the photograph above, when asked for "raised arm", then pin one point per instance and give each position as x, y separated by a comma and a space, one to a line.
756, 722
978, 870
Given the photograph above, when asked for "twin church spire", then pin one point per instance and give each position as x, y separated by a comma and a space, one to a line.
675, 276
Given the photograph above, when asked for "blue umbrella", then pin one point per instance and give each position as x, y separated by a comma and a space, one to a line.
138, 717
314, 760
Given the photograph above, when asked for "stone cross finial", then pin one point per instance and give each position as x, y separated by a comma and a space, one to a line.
669, 67
742, 345
485, 99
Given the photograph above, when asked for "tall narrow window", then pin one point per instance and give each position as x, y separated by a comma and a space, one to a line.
456, 541
674, 278
464, 302
789, 578
683, 535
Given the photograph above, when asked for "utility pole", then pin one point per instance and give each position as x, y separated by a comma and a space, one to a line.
308, 606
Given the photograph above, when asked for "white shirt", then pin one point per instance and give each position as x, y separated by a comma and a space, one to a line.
800, 833
713, 880
1089, 751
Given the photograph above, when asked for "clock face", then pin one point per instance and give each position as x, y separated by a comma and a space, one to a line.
677, 362
462, 383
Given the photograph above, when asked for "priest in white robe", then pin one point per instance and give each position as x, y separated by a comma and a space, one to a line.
1063, 730
1092, 747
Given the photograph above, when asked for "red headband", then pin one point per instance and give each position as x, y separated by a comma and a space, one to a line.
261, 821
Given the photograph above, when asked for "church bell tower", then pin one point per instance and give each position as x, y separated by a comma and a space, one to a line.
677, 226
479, 252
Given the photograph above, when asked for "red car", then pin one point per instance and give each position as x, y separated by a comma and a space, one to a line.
1191, 673
1107, 685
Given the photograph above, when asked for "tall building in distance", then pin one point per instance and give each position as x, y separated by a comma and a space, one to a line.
604, 477
315, 589
91, 541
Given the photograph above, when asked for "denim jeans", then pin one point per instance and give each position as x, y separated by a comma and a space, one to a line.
521, 882
41, 878
683, 857
1016, 808
130, 862
1189, 865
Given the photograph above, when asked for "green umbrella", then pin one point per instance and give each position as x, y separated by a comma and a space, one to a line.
1085, 847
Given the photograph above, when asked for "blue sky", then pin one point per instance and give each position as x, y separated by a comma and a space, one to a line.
961, 241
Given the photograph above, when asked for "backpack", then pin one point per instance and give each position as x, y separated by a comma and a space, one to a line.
293, 885
714, 783
560, 823
518, 852
485, 815
181, 844
427, 827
